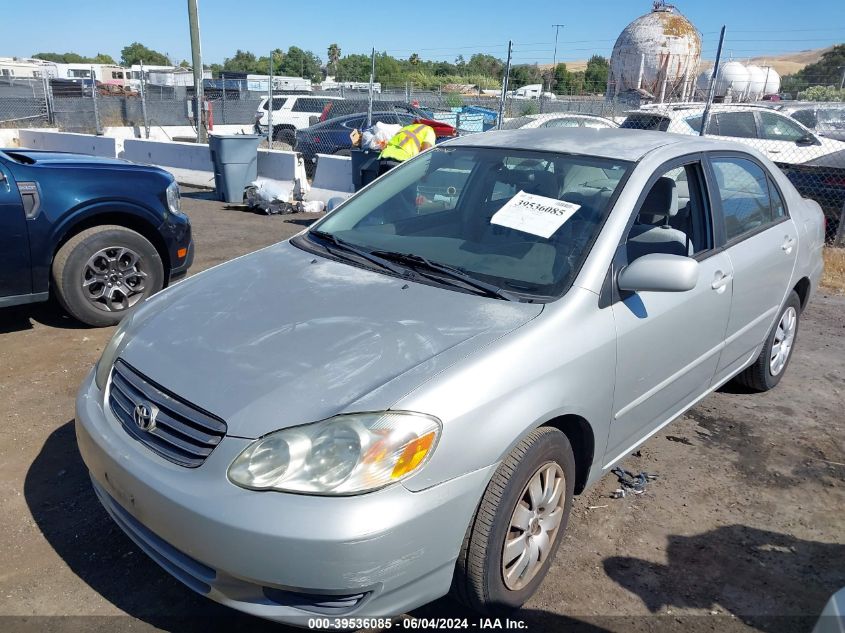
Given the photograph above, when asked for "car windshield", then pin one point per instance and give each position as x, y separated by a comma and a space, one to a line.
520, 221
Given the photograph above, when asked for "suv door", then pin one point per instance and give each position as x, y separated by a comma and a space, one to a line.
783, 138
762, 243
15, 274
668, 343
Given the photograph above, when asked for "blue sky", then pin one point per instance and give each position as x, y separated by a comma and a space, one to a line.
463, 27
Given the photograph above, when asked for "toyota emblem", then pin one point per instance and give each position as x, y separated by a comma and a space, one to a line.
144, 417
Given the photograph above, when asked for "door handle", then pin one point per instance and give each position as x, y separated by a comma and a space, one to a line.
721, 281
774, 151
787, 245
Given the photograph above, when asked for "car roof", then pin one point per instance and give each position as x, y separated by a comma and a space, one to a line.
678, 110
621, 144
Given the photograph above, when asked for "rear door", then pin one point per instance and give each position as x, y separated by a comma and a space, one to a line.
15, 276
762, 243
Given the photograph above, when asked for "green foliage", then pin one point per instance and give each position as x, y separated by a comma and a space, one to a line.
487, 65
333, 56
825, 72
354, 68
525, 75
135, 53
822, 93
184, 64
595, 76
75, 58
454, 100
529, 107
562, 78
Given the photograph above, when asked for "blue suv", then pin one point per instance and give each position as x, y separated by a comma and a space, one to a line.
101, 234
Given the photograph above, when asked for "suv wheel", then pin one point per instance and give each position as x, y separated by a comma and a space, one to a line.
771, 364
102, 273
284, 135
519, 524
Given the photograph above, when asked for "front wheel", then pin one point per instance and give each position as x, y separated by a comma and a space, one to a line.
103, 273
518, 525
771, 364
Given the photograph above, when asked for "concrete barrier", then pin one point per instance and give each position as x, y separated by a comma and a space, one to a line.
189, 163
332, 179
9, 137
67, 142
276, 165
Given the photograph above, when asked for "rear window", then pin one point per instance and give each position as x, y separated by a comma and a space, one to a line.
278, 103
646, 122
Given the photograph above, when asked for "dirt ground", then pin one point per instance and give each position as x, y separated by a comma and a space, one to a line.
743, 529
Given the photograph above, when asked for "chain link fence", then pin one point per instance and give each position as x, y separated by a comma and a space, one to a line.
802, 132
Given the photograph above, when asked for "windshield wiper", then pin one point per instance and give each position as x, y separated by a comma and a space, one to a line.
418, 261
341, 245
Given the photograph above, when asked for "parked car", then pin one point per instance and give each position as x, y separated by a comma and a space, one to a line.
101, 234
418, 392
332, 136
815, 164
290, 113
335, 108
558, 119
825, 119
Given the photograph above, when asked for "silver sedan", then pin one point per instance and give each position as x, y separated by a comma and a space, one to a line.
405, 397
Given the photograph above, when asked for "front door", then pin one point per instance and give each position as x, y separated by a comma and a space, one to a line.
15, 276
762, 243
668, 343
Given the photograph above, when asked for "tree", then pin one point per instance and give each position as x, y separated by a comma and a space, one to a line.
825, 72
561, 80
333, 55
414, 59
184, 64
135, 53
354, 68
298, 63
459, 62
75, 58
241, 62
524, 75
485, 65
595, 76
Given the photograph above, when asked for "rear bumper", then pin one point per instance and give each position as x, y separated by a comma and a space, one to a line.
280, 556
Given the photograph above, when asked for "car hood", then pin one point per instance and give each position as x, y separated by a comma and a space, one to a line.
282, 337
41, 158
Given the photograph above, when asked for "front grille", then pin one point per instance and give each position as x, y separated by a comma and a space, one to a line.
182, 433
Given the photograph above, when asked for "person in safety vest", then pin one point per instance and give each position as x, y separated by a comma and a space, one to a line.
407, 143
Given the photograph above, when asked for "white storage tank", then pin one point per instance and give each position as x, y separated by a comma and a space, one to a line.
772, 81
732, 81
658, 52
756, 83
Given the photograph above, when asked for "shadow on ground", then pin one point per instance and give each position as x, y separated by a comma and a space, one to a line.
50, 313
750, 573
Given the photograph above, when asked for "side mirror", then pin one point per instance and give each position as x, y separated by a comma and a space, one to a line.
807, 139
659, 272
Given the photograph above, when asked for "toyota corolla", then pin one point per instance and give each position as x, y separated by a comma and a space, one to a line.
403, 399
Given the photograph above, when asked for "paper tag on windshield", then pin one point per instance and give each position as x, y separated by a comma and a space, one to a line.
537, 215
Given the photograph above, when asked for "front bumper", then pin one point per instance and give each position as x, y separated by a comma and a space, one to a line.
176, 232
281, 556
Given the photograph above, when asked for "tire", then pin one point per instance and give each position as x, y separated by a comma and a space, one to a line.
479, 581
765, 373
106, 253
284, 135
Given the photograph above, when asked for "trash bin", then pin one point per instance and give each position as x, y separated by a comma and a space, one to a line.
365, 167
235, 159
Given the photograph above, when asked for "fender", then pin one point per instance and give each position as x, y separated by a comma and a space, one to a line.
46, 234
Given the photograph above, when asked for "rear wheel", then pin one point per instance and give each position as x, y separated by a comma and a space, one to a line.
285, 136
771, 364
104, 272
519, 524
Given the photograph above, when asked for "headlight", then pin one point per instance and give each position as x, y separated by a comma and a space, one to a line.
343, 455
109, 355
174, 200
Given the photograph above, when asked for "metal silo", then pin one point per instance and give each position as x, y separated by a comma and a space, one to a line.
658, 53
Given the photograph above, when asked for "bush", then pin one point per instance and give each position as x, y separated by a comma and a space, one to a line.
454, 100
530, 107
822, 93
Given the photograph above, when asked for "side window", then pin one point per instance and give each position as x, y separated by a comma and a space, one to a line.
673, 218
315, 106
744, 192
778, 208
278, 103
775, 127
737, 124
805, 117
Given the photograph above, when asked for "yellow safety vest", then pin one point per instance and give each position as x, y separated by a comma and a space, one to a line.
408, 142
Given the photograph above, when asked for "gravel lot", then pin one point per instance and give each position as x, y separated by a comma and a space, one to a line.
744, 528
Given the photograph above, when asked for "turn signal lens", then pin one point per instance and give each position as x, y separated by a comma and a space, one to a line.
412, 456
181, 252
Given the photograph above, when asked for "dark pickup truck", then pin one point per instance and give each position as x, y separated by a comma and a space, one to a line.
100, 234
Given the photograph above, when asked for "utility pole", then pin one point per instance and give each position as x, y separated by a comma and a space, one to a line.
712, 91
558, 27
270, 105
144, 101
372, 79
504, 87
842, 83
196, 60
